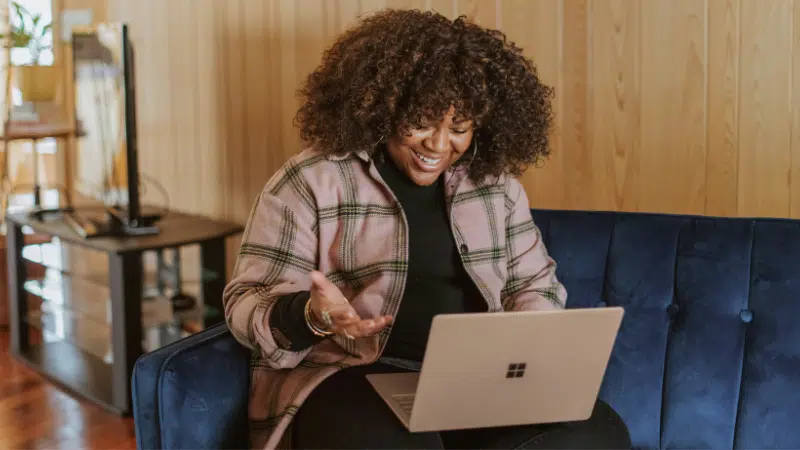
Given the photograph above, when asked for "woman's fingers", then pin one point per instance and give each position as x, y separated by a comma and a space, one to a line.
343, 314
328, 301
342, 317
366, 327
344, 320
323, 287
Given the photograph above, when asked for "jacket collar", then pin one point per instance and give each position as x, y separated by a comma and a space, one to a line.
360, 154
453, 176
366, 157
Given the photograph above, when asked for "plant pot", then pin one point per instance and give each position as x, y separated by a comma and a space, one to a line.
36, 83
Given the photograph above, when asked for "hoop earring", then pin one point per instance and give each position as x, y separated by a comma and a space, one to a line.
474, 153
376, 152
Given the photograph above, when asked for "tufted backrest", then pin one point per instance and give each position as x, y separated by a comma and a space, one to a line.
708, 355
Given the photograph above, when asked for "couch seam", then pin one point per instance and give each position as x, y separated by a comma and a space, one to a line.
750, 273
162, 370
671, 327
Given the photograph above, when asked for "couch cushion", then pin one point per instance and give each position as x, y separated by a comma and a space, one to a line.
193, 394
707, 299
770, 394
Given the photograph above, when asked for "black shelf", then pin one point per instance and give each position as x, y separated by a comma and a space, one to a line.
52, 255
175, 229
100, 305
74, 370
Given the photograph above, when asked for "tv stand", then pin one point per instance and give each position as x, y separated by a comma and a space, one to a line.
112, 225
39, 213
84, 327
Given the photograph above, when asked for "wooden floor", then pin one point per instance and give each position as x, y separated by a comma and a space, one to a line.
34, 414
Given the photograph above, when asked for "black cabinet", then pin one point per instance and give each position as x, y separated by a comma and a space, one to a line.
85, 322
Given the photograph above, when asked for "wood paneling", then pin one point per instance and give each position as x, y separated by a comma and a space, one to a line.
681, 106
765, 107
722, 142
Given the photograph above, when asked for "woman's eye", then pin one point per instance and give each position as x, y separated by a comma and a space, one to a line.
461, 131
415, 129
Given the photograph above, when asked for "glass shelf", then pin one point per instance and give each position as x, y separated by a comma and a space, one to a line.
68, 301
92, 264
63, 326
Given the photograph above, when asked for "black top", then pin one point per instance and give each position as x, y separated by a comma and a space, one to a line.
175, 229
437, 282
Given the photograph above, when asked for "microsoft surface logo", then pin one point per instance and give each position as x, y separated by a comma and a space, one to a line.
516, 370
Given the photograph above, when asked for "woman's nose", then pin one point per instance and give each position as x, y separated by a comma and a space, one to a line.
438, 142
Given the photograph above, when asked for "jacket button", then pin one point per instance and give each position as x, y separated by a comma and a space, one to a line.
746, 316
464, 248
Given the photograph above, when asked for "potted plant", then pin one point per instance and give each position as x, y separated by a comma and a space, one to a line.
35, 81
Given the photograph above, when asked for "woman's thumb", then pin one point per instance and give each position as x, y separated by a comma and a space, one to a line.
322, 284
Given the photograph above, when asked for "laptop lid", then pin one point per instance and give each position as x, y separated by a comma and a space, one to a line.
513, 368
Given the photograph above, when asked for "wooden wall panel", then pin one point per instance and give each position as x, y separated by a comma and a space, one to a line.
794, 177
538, 32
573, 116
679, 106
673, 98
613, 106
765, 108
722, 115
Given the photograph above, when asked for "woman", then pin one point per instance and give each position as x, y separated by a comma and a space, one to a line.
405, 206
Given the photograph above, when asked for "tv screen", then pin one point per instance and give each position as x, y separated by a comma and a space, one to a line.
101, 152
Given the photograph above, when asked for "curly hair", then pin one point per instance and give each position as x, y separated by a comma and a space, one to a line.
398, 68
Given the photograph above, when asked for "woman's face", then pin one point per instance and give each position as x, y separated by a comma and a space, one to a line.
425, 152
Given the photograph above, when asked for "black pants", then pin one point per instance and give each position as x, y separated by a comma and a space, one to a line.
345, 412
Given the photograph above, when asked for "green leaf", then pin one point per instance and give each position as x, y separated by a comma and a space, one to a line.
46, 30
21, 12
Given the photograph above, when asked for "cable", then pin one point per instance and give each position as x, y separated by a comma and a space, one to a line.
142, 190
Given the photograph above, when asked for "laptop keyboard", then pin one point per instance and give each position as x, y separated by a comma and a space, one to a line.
405, 402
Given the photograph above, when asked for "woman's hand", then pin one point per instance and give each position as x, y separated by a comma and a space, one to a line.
327, 302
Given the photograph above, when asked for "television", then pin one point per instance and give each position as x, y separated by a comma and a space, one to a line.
105, 166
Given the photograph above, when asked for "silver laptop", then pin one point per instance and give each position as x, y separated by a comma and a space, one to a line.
505, 368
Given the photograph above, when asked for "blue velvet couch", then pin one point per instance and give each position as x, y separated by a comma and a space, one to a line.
708, 355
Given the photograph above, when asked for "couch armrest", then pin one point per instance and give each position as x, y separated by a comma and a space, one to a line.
193, 393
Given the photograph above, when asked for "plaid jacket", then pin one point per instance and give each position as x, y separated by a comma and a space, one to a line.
335, 214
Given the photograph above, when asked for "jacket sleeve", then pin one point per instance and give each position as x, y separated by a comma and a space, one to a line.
278, 250
532, 283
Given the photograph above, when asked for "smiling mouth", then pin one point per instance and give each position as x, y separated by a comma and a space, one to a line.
428, 160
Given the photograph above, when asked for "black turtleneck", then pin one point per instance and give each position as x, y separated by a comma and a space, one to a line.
437, 282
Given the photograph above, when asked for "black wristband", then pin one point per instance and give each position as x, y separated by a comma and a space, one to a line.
288, 323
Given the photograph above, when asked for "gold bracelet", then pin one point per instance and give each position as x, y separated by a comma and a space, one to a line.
310, 323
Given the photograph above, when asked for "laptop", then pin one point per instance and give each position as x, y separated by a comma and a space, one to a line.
505, 368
